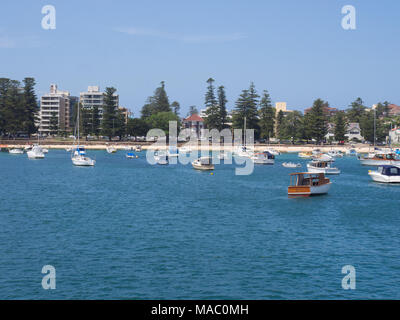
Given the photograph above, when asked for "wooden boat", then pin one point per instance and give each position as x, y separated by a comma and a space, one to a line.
386, 174
304, 184
203, 163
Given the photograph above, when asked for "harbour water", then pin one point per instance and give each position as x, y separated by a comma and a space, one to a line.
127, 230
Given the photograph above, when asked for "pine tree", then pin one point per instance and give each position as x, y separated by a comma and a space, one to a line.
356, 111
176, 107
318, 121
53, 123
267, 117
222, 101
4, 87
31, 106
246, 107
212, 120
109, 113
280, 125
340, 126
95, 121
192, 110
161, 100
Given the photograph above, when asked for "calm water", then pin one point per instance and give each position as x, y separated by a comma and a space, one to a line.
125, 229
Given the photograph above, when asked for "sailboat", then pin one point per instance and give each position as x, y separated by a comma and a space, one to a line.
36, 152
79, 156
243, 150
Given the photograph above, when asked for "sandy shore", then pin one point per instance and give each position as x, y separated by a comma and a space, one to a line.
257, 147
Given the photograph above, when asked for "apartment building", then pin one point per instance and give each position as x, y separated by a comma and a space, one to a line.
93, 97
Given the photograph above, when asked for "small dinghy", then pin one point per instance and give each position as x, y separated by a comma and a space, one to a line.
291, 165
16, 151
131, 155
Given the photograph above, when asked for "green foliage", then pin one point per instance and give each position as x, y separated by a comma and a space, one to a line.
291, 125
176, 107
109, 113
31, 106
267, 117
137, 127
356, 111
367, 128
340, 126
53, 123
159, 102
222, 101
246, 107
213, 114
161, 120
192, 110
318, 122
280, 132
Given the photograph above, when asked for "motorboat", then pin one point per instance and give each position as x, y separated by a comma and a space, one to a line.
335, 154
16, 151
138, 148
203, 163
35, 153
243, 151
317, 166
291, 165
111, 149
272, 151
379, 159
131, 155
351, 152
386, 174
161, 157
263, 158
305, 155
323, 157
28, 147
45, 150
304, 184
184, 149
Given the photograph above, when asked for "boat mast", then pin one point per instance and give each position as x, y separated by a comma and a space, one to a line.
374, 127
244, 131
78, 123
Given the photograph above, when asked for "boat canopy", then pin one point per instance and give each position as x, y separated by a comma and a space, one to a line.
389, 170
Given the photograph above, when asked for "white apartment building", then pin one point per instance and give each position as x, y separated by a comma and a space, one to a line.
94, 97
56, 103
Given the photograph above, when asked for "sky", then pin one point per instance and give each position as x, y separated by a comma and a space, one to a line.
295, 49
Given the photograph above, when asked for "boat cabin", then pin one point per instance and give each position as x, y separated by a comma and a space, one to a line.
389, 170
384, 156
306, 184
320, 164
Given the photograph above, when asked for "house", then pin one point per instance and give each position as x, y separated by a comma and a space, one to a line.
394, 135
196, 125
353, 131
394, 110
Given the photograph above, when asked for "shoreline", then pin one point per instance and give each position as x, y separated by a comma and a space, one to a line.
90, 145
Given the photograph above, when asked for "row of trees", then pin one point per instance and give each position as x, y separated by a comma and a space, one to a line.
18, 107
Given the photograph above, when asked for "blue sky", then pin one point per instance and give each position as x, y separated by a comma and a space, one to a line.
297, 50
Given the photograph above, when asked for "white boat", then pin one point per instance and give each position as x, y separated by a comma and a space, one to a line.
35, 153
306, 184
335, 154
243, 151
161, 157
272, 151
305, 155
172, 152
138, 148
111, 149
317, 166
45, 150
69, 149
386, 174
263, 158
185, 149
79, 157
291, 165
16, 151
323, 157
379, 159
28, 147
203, 163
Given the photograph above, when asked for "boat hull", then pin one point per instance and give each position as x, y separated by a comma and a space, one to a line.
203, 167
35, 155
323, 170
372, 162
305, 191
378, 177
83, 163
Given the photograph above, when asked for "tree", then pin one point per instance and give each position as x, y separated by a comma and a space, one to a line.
161, 121
176, 107
85, 121
318, 121
246, 107
158, 102
356, 111
340, 126
14, 111
137, 127
280, 125
109, 113
53, 123
267, 117
222, 101
213, 120
291, 124
120, 125
31, 106
95, 121
4, 87
192, 110
367, 127
306, 129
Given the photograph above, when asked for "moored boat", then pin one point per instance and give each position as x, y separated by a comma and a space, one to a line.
263, 158
351, 152
35, 153
16, 151
203, 163
305, 184
386, 174
379, 159
131, 155
111, 149
305, 155
317, 166
335, 154
291, 165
